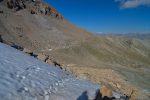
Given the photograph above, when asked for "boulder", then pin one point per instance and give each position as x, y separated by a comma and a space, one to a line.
49, 61
56, 63
99, 96
42, 57
118, 86
33, 55
105, 91
33, 11
42, 10
47, 10
10, 4
27, 51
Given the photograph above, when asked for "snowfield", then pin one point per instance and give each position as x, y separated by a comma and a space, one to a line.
23, 77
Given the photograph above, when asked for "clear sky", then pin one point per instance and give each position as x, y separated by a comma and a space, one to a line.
113, 16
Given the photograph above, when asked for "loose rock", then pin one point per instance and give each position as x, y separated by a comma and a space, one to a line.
27, 51
118, 85
42, 57
49, 61
105, 91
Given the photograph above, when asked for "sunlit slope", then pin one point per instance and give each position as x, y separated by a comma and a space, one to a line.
128, 56
111, 50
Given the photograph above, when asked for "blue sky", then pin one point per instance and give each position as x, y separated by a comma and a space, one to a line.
113, 16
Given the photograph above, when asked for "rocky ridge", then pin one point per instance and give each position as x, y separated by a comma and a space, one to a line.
34, 7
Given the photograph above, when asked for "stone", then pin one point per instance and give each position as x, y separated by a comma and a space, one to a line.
118, 85
27, 51
42, 10
42, 57
49, 61
10, 4
56, 63
33, 55
33, 11
16, 4
105, 91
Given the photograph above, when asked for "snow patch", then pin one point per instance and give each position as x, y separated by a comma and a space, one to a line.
26, 78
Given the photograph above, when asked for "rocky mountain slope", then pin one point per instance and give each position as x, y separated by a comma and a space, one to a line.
37, 26
42, 30
129, 57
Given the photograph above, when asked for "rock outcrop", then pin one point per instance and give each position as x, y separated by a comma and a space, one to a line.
34, 7
16, 4
41, 8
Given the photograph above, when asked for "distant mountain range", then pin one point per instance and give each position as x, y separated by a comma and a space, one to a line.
130, 35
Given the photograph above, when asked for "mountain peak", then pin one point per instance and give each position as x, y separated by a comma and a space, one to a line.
33, 6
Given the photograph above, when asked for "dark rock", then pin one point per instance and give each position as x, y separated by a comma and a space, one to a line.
33, 11
1, 11
10, 4
47, 10
56, 63
33, 0
108, 98
17, 47
35, 7
16, 4
1, 39
98, 95
33, 55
